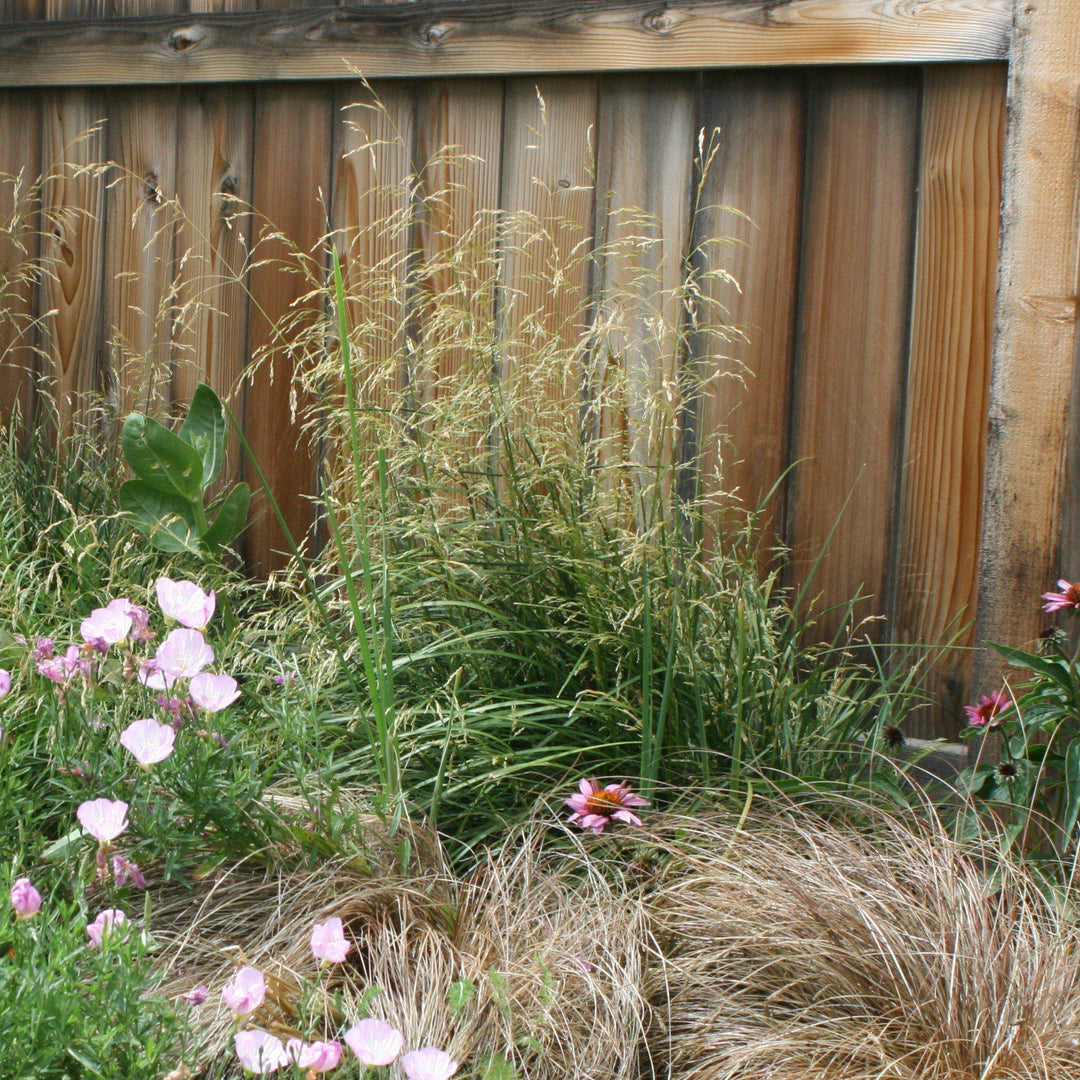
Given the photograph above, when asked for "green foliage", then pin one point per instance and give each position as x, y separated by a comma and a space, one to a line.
172, 473
1032, 782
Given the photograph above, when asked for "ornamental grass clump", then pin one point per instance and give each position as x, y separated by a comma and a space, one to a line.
799, 949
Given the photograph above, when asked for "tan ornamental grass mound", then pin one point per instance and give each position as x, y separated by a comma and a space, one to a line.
537, 956
801, 950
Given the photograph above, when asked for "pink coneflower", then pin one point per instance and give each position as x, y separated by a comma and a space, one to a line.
987, 711
1069, 597
595, 806
374, 1042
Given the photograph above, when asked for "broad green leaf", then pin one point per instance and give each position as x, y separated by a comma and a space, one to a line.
1070, 802
160, 458
231, 518
165, 518
1052, 669
204, 428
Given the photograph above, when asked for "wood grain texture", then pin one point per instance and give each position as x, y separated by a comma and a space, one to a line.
948, 382
20, 220
291, 183
1034, 336
749, 227
214, 187
435, 37
858, 218
548, 195
139, 247
73, 248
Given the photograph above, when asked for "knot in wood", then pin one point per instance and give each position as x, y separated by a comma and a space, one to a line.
432, 35
186, 37
660, 22
229, 183
152, 189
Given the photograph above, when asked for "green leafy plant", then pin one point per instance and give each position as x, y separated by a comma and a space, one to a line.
166, 499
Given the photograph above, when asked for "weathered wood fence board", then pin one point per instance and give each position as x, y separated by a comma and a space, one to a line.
867, 257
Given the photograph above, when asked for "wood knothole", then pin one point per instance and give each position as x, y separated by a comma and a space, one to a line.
186, 38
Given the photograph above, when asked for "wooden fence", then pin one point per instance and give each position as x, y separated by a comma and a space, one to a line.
922, 392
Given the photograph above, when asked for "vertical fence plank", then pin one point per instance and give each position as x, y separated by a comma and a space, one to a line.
213, 241
936, 572
139, 244
291, 179
645, 149
851, 341
20, 221
1034, 350
752, 194
73, 208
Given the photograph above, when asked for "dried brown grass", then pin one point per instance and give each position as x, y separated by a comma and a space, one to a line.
554, 949
803, 950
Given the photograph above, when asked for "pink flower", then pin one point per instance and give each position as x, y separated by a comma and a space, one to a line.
213, 693
374, 1042
286, 679
25, 899
185, 602
317, 1056
1069, 597
988, 710
328, 941
62, 669
103, 819
429, 1064
125, 872
595, 806
182, 655
5, 681
106, 626
148, 741
43, 649
196, 995
104, 925
259, 1051
246, 992
139, 616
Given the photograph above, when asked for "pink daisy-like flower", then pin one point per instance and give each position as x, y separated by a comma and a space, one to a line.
328, 941
103, 819
259, 1051
246, 991
374, 1042
148, 741
1068, 598
185, 602
988, 710
429, 1064
25, 899
317, 1056
104, 925
595, 806
212, 693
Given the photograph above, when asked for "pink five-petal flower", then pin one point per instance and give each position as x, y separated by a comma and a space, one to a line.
148, 741
103, 819
185, 602
246, 991
182, 655
987, 711
595, 806
317, 1056
25, 899
105, 924
374, 1042
328, 941
1068, 598
259, 1051
106, 626
429, 1064
212, 693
